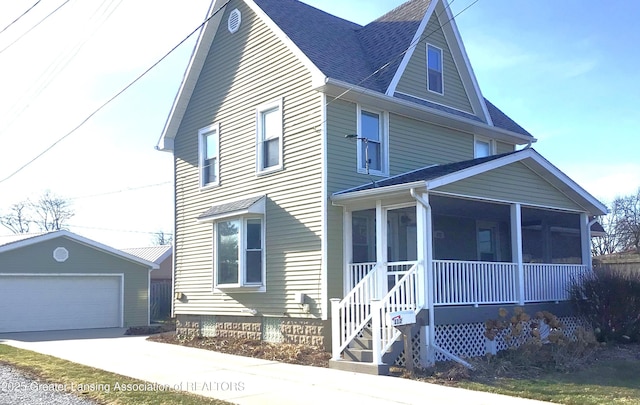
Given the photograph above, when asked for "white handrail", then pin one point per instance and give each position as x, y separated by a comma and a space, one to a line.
351, 315
550, 282
402, 297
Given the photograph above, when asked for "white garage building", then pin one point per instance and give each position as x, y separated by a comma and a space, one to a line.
60, 280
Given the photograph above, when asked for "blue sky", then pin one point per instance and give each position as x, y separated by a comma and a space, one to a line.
565, 70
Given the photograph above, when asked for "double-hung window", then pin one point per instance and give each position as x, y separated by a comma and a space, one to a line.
434, 69
269, 137
372, 138
239, 252
484, 147
209, 159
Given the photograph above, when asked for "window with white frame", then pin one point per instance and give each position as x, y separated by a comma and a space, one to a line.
483, 147
434, 69
372, 155
239, 252
209, 155
269, 137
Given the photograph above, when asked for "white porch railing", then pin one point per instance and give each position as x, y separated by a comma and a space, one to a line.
403, 296
472, 283
550, 282
351, 315
355, 273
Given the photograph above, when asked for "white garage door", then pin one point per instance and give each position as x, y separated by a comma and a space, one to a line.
37, 303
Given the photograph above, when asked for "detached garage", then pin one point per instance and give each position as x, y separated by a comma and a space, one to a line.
60, 280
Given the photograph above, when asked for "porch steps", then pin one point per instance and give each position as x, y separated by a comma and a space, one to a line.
358, 357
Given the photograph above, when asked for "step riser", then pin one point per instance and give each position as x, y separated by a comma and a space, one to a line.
361, 343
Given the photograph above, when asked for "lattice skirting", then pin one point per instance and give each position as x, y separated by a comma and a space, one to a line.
467, 340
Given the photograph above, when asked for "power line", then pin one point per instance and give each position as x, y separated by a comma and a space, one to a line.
84, 121
124, 190
118, 230
31, 29
19, 17
401, 54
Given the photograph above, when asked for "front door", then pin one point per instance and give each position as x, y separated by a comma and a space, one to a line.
402, 241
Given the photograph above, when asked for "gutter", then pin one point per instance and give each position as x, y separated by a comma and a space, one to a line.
486, 129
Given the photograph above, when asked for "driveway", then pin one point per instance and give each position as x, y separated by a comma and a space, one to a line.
241, 380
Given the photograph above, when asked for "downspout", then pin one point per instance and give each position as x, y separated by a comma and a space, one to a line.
589, 225
428, 260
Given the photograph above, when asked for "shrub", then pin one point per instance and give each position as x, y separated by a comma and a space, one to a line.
535, 344
609, 300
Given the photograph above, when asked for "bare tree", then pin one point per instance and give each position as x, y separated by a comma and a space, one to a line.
18, 219
52, 212
621, 226
49, 213
627, 225
162, 238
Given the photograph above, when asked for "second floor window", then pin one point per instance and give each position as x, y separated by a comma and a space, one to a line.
371, 142
434, 69
483, 148
209, 156
269, 137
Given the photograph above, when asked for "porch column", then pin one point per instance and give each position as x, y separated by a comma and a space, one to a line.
516, 249
585, 240
347, 250
381, 249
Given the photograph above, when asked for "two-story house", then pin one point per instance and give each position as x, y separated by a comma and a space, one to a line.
328, 174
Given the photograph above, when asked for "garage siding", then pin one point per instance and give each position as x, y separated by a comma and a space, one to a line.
38, 259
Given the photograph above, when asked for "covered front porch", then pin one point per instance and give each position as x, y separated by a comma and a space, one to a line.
481, 252
504, 230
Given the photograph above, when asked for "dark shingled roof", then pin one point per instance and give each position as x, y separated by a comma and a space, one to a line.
351, 53
426, 173
230, 207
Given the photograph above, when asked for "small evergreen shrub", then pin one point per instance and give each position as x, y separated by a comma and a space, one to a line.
609, 300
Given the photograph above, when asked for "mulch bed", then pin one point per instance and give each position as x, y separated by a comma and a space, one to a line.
283, 352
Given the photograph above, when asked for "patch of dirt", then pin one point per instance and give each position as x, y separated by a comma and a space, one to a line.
282, 352
151, 330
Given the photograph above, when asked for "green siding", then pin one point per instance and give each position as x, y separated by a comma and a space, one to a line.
83, 259
502, 147
414, 77
513, 183
242, 71
412, 144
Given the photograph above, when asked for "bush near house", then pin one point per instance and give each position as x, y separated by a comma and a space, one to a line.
540, 342
609, 299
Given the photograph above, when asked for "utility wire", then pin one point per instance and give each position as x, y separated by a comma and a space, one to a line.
124, 190
31, 29
19, 17
84, 121
401, 54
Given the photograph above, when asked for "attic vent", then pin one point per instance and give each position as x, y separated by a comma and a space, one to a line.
235, 18
60, 254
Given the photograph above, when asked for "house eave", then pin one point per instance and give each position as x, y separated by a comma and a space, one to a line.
337, 88
338, 199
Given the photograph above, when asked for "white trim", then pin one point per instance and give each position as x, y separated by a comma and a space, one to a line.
324, 266
119, 275
407, 56
441, 68
79, 239
260, 141
433, 102
384, 141
358, 94
190, 78
242, 269
504, 202
202, 151
554, 177
491, 142
453, 28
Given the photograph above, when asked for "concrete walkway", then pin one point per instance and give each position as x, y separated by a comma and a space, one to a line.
240, 380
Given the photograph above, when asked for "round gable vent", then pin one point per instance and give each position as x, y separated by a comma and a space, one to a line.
60, 254
235, 18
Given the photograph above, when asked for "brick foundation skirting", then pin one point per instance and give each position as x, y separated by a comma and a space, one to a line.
308, 332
